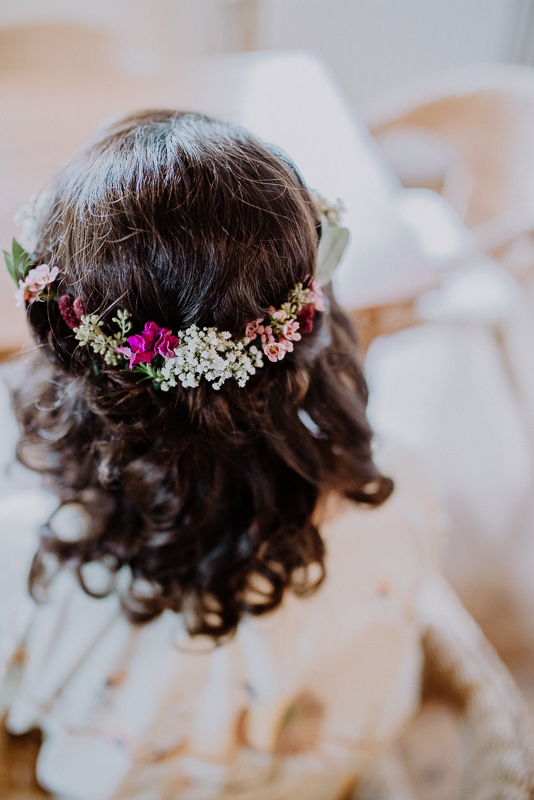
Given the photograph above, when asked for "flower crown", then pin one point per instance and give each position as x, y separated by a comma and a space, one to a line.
166, 359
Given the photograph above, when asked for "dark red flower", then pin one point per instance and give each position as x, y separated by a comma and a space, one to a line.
71, 310
79, 310
66, 309
305, 319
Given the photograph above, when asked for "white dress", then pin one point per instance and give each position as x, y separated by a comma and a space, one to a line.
294, 706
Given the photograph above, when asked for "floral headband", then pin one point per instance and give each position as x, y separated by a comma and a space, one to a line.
156, 353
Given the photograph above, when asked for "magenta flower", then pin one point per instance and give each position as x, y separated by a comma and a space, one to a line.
149, 335
140, 348
148, 344
166, 343
290, 330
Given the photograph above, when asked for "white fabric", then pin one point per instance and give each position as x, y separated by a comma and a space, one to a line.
443, 389
294, 706
448, 390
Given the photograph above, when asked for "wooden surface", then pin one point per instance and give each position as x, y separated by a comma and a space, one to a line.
425, 765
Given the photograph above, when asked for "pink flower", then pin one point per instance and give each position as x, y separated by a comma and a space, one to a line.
20, 294
251, 331
267, 338
126, 352
280, 315
290, 330
39, 278
305, 319
24, 294
274, 351
36, 281
315, 296
286, 344
265, 330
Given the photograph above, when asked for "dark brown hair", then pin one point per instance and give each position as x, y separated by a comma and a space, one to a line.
184, 220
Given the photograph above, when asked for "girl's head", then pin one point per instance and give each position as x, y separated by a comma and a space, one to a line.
204, 497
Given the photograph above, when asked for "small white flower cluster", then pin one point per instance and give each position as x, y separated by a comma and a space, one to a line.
90, 332
332, 211
29, 218
211, 354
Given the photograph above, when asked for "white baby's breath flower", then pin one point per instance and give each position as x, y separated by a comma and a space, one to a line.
29, 217
210, 354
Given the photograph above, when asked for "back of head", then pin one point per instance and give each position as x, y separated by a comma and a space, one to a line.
200, 495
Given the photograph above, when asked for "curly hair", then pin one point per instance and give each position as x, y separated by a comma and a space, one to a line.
203, 498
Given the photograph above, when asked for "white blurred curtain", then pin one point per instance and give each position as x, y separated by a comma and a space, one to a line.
372, 45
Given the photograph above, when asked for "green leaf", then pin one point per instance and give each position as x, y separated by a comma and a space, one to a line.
334, 241
18, 262
21, 260
10, 266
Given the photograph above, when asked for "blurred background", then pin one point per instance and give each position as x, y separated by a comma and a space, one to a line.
419, 114
371, 45
66, 66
